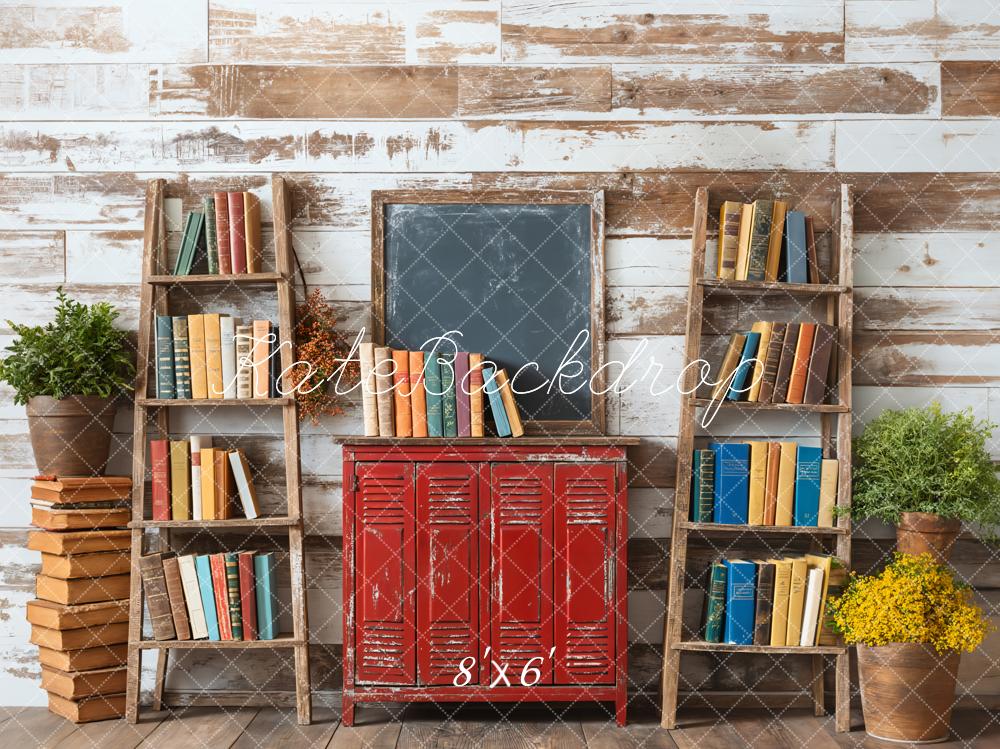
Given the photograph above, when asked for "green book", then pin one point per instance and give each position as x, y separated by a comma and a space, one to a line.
694, 512
266, 594
164, 357
706, 487
449, 404
182, 358
432, 385
715, 604
760, 239
211, 236
233, 586
191, 244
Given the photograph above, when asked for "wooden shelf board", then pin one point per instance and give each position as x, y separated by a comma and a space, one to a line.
556, 441
763, 287
263, 522
281, 641
211, 402
723, 528
205, 279
722, 647
822, 408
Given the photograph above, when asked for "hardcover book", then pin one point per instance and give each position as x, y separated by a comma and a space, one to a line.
383, 391
261, 351
779, 606
251, 232
462, 410
182, 357
223, 490
98, 564
175, 595
203, 566
154, 584
732, 466
497, 409
730, 360
222, 232
274, 363
83, 590
220, 588
211, 236
192, 596
757, 482
165, 357
763, 606
812, 256
784, 373
772, 356
418, 396
796, 601
771, 482
706, 487
366, 355
509, 404
796, 258
78, 542
694, 510
227, 332
100, 707
756, 379
828, 491
819, 364
476, 395
807, 484
237, 229
84, 660
77, 685
213, 355
740, 386
58, 616
401, 393
785, 502
800, 365
159, 459
432, 388
196, 342
778, 212
715, 603
244, 362
267, 595
233, 594
823, 563
741, 583
760, 240
729, 238
449, 403
208, 484
180, 481
743, 247
810, 609
243, 479
248, 595
197, 444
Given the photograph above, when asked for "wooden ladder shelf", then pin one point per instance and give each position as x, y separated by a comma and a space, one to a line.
153, 300
835, 439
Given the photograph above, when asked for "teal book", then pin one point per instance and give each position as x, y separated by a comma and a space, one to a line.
741, 601
182, 358
796, 260
715, 603
267, 595
191, 241
165, 357
204, 571
211, 236
233, 586
432, 386
808, 465
449, 404
732, 482
496, 402
706, 487
739, 386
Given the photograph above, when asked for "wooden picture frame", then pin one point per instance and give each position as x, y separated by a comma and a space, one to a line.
595, 424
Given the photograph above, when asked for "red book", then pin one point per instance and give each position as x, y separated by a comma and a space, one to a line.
462, 412
248, 597
237, 233
222, 231
218, 564
159, 456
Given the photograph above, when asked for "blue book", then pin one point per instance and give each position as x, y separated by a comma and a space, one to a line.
808, 464
449, 403
796, 259
739, 381
432, 386
741, 601
732, 482
265, 582
496, 403
204, 571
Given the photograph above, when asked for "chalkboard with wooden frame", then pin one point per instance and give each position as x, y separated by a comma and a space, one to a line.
518, 273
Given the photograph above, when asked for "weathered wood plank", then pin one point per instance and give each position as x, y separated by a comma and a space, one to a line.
721, 92
103, 257
273, 727
202, 725
789, 31
109, 31
417, 733
34, 726
78, 92
900, 146
519, 90
926, 259
902, 308
33, 257
903, 30
927, 358
970, 89
110, 734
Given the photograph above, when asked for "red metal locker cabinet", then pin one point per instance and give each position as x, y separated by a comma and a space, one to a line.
451, 596
385, 565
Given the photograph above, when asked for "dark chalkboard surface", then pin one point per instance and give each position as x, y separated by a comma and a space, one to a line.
515, 279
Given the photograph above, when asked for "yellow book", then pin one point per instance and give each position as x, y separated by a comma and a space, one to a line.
774, 246
779, 605
823, 562
196, 350
729, 238
730, 360
786, 484
509, 404
828, 491
213, 356
251, 231
757, 375
758, 478
743, 245
208, 483
796, 601
180, 480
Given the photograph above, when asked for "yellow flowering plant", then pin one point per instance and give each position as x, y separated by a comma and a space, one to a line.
914, 599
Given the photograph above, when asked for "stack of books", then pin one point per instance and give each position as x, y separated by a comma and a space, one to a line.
775, 602
763, 483
194, 481
222, 238
427, 394
764, 241
225, 596
79, 618
213, 356
776, 362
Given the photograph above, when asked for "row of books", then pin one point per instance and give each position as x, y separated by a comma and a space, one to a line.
764, 241
225, 596
763, 483
213, 356
428, 394
776, 362
775, 602
224, 237
194, 481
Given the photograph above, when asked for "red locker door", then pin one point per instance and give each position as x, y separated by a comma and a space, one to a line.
585, 582
449, 582
385, 562
521, 569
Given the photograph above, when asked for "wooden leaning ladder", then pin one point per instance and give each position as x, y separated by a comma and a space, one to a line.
835, 439
153, 299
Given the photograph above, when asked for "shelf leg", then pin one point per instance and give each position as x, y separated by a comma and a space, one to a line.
817, 688
161, 678
347, 711
132, 683
843, 690
671, 668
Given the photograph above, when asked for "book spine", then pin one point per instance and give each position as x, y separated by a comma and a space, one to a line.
779, 605
222, 232
274, 362
221, 493
811, 254
796, 602
771, 358
418, 396
741, 586
729, 239
800, 365
233, 591
180, 484
783, 513
159, 459
706, 487
199, 372
509, 404
758, 482
808, 468
739, 389
157, 598
182, 357
165, 387
401, 393
497, 409
765, 600
694, 511
449, 414
819, 364
732, 465
192, 597
432, 390
267, 605
760, 240
244, 362
715, 607
727, 368
227, 331
261, 350
476, 395
366, 354
785, 363
248, 596
203, 567
771, 482
181, 260
383, 391
743, 249
796, 253
197, 443
175, 595
208, 484
756, 377
211, 236
244, 484
199, 250
213, 355
221, 589
463, 413
810, 609
237, 237
828, 476
778, 211
251, 232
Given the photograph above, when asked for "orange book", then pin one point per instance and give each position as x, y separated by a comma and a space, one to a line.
251, 231
418, 396
223, 485
800, 366
261, 350
771, 482
510, 406
401, 393
213, 355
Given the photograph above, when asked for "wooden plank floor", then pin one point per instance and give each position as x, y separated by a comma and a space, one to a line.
456, 727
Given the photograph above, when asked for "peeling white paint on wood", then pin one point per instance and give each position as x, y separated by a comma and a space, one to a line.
919, 146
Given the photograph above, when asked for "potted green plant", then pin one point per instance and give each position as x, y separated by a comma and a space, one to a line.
927, 471
910, 624
68, 373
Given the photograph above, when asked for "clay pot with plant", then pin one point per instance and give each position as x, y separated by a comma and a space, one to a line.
910, 624
68, 373
928, 472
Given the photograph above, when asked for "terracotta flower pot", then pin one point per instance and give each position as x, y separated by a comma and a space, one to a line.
71, 436
918, 532
907, 691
